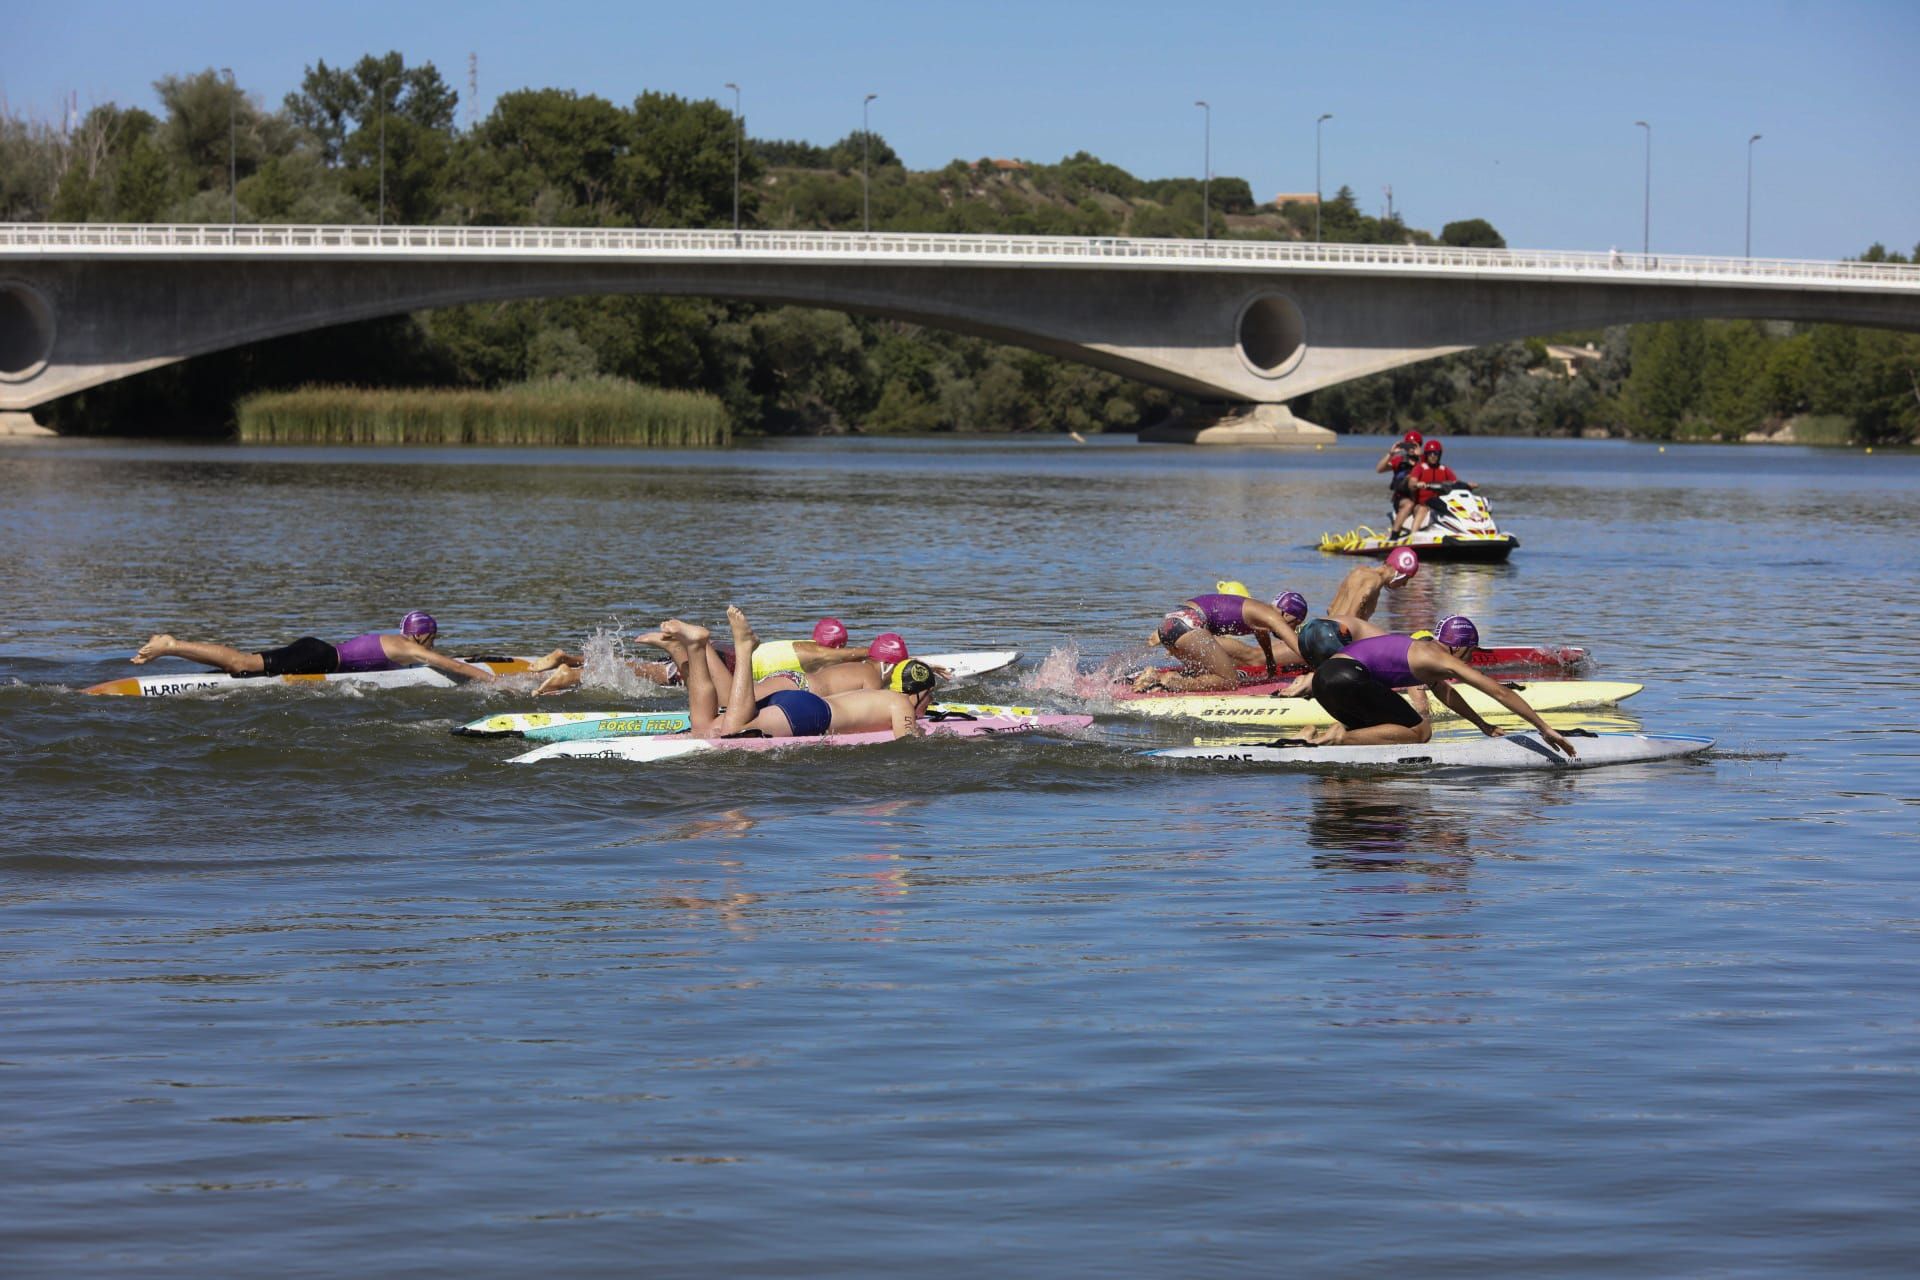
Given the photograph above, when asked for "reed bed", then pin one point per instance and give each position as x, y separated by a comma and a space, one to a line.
591, 411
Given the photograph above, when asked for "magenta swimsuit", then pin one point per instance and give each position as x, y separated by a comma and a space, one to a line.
1223, 614
364, 653
1384, 658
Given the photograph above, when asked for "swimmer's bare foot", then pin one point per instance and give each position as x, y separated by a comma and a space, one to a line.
684, 632
557, 658
1148, 679
157, 647
742, 630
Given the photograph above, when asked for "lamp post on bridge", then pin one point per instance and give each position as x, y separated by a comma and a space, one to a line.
866, 158
1317, 197
739, 126
233, 163
1646, 209
1750, 141
1206, 176
383, 147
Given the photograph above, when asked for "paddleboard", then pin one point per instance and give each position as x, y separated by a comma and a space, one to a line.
1255, 704
972, 664
1514, 751
565, 726
172, 685
673, 746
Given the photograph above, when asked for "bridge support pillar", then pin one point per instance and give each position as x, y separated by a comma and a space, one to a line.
1266, 424
21, 424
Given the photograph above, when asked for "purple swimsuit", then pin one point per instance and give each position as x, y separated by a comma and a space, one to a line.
1385, 659
1222, 614
364, 653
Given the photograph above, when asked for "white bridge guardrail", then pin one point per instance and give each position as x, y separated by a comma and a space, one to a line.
66, 240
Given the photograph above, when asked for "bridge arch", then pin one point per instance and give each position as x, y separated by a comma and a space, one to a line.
1243, 321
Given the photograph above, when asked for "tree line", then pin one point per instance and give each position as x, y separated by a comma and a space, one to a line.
555, 157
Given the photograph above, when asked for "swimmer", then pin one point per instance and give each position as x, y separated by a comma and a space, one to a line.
1359, 682
1293, 607
1188, 633
789, 713
309, 656
1358, 594
825, 650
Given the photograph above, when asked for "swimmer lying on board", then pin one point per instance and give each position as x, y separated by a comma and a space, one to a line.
1188, 633
786, 713
309, 656
826, 650
1359, 684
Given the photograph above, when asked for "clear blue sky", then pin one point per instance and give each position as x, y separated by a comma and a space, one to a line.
1521, 113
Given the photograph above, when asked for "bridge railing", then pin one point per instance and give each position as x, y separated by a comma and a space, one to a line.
217, 239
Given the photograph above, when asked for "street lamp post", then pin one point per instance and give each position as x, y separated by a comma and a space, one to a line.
233, 164
383, 147
1317, 196
1750, 141
1646, 210
1206, 177
866, 158
739, 126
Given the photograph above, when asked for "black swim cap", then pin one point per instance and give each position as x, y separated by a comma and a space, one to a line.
913, 676
1320, 640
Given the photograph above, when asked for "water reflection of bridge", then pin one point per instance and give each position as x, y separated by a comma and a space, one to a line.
1232, 320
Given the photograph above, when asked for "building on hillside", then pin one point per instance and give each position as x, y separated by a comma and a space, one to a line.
1566, 362
1000, 166
1287, 198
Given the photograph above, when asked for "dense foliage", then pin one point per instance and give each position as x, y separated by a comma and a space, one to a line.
556, 157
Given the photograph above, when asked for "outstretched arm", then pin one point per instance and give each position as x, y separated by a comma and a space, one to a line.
815, 656
1449, 667
405, 650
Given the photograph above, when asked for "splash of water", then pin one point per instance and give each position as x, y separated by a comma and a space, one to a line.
606, 663
1059, 673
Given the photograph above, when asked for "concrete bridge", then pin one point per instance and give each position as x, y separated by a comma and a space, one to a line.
1240, 321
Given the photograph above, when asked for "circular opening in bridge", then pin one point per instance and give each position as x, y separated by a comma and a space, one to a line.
1272, 333
26, 331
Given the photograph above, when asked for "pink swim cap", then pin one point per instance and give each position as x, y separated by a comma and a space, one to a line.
830, 632
888, 648
1405, 562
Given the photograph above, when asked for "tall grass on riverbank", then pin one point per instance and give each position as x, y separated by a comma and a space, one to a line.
589, 411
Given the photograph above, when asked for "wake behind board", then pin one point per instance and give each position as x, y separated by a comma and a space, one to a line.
567, 726
1256, 704
1515, 751
673, 746
168, 686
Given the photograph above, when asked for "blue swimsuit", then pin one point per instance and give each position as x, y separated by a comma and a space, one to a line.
808, 714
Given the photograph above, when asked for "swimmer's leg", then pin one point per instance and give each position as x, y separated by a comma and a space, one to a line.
227, 658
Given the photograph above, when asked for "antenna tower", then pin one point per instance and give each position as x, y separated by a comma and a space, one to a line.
473, 88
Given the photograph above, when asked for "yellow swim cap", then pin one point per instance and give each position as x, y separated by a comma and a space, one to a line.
1229, 587
1422, 635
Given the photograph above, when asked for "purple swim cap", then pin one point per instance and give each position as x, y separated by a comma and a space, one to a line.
1456, 631
419, 623
830, 632
1291, 604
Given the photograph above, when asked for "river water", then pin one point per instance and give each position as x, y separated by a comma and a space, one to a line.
296, 982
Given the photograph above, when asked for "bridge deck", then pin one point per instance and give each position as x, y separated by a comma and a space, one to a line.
45, 241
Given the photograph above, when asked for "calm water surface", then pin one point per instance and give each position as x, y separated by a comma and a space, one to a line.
298, 983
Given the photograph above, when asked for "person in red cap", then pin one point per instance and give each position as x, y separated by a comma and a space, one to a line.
1428, 481
1401, 458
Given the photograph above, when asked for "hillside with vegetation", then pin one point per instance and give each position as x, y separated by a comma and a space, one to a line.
555, 157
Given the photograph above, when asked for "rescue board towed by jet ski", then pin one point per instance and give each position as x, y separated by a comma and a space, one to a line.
1461, 528
1512, 751
673, 746
185, 682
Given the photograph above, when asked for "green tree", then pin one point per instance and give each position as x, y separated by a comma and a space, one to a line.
1472, 233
